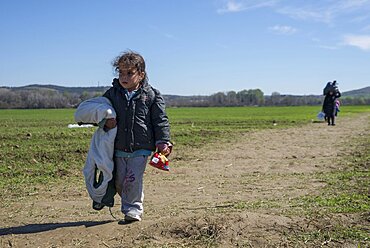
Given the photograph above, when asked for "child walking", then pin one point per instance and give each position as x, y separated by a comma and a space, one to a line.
142, 127
337, 107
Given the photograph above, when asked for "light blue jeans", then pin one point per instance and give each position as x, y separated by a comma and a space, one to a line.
129, 183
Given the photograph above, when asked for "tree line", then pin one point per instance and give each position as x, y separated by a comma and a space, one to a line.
255, 97
36, 98
42, 98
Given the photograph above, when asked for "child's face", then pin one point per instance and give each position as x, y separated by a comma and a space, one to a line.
130, 78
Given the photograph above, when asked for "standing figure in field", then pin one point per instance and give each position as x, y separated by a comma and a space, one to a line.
337, 107
329, 107
142, 127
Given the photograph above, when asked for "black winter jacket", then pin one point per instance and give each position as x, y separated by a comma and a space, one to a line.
329, 103
142, 121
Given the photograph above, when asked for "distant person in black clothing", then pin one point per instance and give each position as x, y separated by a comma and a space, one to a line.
331, 93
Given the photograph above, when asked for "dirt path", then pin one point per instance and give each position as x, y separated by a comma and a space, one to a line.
237, 194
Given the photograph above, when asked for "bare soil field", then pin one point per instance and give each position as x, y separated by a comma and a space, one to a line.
237, 194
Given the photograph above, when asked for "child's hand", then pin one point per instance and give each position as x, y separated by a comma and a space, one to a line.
110, 123
164, 148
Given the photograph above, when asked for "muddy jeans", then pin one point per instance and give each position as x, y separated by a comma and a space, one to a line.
129, 183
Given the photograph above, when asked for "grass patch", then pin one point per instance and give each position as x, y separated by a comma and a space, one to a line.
36, 147
335, 236
345, 194
341, 203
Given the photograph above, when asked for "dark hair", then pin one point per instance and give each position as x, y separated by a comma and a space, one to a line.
130, 59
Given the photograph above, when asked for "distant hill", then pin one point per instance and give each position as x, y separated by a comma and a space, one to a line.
61, 89
364, 92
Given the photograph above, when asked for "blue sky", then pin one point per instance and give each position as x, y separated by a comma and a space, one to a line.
191, 47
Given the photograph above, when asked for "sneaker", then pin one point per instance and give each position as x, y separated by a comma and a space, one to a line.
333, 124
98, 206
132, 217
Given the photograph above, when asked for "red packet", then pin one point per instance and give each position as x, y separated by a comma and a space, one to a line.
160, 161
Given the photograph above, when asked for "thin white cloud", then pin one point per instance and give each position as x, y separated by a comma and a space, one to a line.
307, 13
329, 47
160, 32
359, 41
351, 4
366, 29
330, 12
286, 30
170, 36
231, 6
319, 43
242, 5
324, 11
360, 18
223, 46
